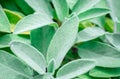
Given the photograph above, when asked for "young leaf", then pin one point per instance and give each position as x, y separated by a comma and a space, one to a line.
83, 5
29, 55
61, 8
4, 22
105, 72
32, 21
102, 53
12, 68
92, 13
89, 34
63, 40
43, 36
114, 39
51, 67
75, 68
40, 6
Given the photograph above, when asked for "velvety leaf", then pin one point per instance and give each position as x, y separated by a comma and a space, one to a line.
40, 6
114, 39
4, 22
101, 4
32, 21
30, 56
92, 13
83, 5
43, 36
71, 3
115, 13
89, 33
105, 72
63, 40
13, 68
75, 68
6, 39
103, 54
61, 8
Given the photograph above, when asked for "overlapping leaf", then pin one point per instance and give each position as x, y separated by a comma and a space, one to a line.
101, 53
89, 34
43, 36
4, 22
61, 8
29, 55
13, 68
32, 21
75, 68
105, 72
63, 40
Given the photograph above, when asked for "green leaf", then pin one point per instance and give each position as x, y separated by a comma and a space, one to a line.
92, 13
4, 22
30, 56
63, 40
13, 68
87, 76
40, 6
32, 21
26, 9
44, 36
115, 13
13, 17
7, 38
61, 8
105, 72
114, 39
71, 3
89, 33
75, 68
102, 53
84, 5
51, 67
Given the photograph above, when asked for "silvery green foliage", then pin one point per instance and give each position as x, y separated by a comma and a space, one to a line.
54, 31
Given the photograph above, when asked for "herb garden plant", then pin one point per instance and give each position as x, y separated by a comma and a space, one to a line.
59, 39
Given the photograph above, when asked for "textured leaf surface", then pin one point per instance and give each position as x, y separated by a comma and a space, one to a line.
89, 34
75, 68
83, 5
12, 68
105, 72
32, 21
115, 13
63, 40
92, 13
29, 55
114, 39
40, 6
61, 8
4, 22
103, 54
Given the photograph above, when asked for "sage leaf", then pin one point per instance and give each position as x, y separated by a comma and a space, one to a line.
29, 55
75, 68
63, 40
101, 53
